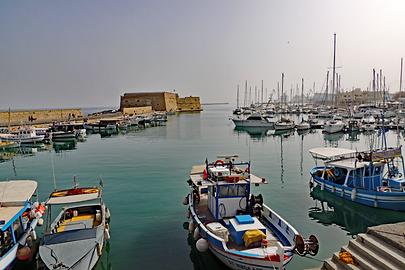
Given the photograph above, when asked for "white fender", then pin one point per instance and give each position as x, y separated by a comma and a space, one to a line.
106, 234
354, 194
196, 233
40, 222
34, 235
202, 245
322, 186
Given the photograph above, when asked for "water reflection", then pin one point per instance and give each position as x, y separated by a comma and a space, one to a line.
64, 146
332, 139
254, 132
202, 260
351, 217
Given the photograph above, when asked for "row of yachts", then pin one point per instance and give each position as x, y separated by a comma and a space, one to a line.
333, 125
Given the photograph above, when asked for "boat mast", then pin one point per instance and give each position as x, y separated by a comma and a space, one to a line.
9, 118
400, 77
262, 93
327, 86
302, 99
282, 87
334, 68
237, 97
244, 103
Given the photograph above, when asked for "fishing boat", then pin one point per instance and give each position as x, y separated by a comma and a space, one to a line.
335, 125
284, 124
372, 178
303, 125
76, 237
19, 216
235, 225
254, 120
22, 135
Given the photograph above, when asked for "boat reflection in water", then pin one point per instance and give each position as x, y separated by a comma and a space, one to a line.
332, 139
201, 260
351, 217
254, 132
64, 146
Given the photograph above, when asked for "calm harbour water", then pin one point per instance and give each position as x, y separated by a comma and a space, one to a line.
145, 173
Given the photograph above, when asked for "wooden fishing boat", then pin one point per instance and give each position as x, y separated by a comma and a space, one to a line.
19, 216
236, 226
8, 145
373, 178
76, 237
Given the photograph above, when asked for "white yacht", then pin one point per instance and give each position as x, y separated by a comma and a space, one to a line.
335, 125
284, 124
254, 120
368, 123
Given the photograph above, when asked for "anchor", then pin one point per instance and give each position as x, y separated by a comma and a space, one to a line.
306, 246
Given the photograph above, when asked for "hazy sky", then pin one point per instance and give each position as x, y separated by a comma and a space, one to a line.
87, 53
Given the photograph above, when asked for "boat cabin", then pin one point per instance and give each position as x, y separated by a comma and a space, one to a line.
377, 170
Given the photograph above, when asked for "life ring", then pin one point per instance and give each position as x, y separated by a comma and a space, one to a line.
218, 161
385, 189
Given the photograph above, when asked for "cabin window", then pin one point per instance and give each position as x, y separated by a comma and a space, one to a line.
6, 241
232, 191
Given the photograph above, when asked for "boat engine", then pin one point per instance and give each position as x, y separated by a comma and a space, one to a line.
306, 246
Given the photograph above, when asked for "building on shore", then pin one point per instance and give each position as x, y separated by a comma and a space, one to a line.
130, 103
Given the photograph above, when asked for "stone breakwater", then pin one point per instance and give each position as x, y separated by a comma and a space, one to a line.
23, 117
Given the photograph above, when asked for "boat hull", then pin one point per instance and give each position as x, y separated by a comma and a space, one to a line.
252, 123
8, 258
384, 200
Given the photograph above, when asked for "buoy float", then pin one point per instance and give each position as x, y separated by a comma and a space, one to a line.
202, 245
196, 233
34, 235
24, 254
354, 194
106, 234
191, 227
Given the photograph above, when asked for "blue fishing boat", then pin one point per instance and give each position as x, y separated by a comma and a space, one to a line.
235, 225
374, 178
19, 216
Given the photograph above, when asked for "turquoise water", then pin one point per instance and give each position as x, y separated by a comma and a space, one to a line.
145, 173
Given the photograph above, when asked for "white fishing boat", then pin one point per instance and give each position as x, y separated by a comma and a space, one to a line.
76, 237
335, 125
22, 135
254, 120
284, 124
235, 225
19, 216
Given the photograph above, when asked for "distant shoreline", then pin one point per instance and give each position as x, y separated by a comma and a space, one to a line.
215, 103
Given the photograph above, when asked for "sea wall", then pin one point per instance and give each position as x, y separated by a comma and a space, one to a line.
137, 110
22, 117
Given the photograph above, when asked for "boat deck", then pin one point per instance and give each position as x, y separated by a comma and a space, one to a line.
205, 216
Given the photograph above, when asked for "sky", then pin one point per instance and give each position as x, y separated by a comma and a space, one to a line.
87, 53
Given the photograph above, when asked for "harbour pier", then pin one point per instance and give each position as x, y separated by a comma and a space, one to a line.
381, 247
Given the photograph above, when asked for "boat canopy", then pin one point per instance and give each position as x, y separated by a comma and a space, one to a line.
329, 153
16, 193
71, 196
349, 163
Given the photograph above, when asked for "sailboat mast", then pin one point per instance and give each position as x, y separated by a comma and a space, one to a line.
9, 118
237, 97
244, 103
327, 86
282, 87
302, 93
400, 77
334, 67
262, 91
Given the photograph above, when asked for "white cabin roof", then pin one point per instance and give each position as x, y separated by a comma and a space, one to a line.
349, 163
73, 198
16, 192
330, 152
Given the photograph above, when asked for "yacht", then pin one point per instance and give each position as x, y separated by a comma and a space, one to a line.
22, 135
254, 120
284, 124
335, 125
368, 123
